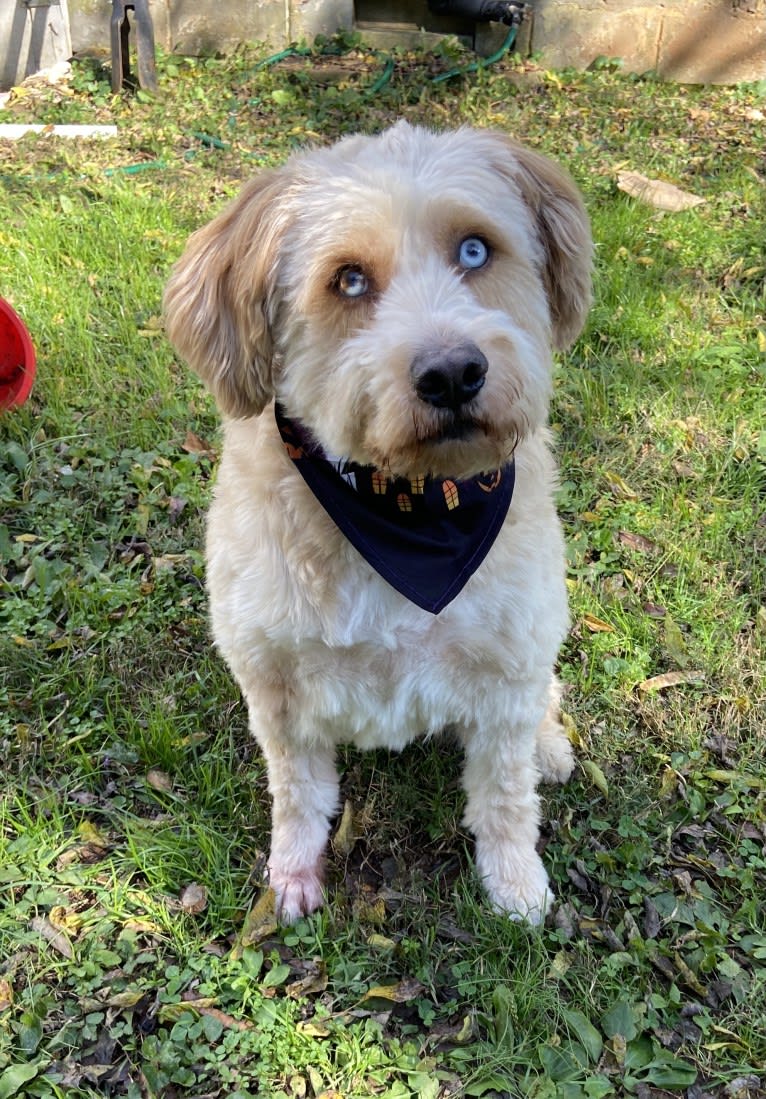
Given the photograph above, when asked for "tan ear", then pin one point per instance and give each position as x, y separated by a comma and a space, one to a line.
563, 228
219, 298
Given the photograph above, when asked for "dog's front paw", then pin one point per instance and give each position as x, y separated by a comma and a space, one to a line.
522, 893
297, 893
553, 752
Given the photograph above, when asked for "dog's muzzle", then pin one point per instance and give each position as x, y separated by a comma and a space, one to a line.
449, 378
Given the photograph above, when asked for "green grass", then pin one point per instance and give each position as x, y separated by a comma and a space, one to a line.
129, 774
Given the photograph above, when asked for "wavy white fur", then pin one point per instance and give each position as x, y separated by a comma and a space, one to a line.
323, 649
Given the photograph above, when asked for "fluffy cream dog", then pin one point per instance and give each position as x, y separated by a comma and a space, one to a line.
399, 296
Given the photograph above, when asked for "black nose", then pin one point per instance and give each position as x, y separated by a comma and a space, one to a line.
449, 378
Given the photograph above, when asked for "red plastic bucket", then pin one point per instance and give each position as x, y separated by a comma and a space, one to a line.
17, 358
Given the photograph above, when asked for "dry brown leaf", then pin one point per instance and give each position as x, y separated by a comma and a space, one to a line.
57, 939
193, 444
657, 193
571, 730
260, 922
670, 679
596, 625
298, 1086
636, 542
193, 898
381, 942
654, 610
142, 927
65, 919
225, 1020
159, 780
345, 837
619, 486
400, 993
6, 994
129, 997
370, 910
84, 853
313, 1030
310, 984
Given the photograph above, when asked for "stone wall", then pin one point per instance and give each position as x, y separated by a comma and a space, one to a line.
693, 41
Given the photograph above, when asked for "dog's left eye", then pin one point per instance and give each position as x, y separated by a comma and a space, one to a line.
352, 282
473, 253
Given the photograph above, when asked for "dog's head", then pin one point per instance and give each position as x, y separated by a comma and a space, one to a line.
400, 295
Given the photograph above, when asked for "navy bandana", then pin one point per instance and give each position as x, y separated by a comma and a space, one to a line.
425, 537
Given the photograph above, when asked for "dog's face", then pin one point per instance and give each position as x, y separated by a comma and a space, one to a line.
399, 295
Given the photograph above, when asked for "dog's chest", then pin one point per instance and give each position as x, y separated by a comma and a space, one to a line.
373, 694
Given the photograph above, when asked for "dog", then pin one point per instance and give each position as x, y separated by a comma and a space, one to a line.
376, 320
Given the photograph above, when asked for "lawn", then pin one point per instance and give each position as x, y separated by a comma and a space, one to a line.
139, 956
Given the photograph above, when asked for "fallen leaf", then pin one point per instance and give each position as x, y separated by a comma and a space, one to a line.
636, 542
381, 942
298, 1086
345, 837
225, 1020
752, 781
193, 444
159, 780
309, 985
85, 853
619, 486
654, 610
689, 976
571, 730
596, 625
169, 560
65, 919
400, 993
560, 965
57, 939
657, 193
142, 927
129, 997
193, 898
675, 645
260, 922
596, 775
6, 994
670, 679
313, 1030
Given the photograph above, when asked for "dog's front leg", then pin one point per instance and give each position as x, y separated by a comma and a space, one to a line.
502, 811
304, 788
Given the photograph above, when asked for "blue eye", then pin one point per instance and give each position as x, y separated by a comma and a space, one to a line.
352, 282
473, 253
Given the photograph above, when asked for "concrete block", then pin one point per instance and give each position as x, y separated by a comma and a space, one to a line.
35, 36
573, 35
714, 42
308, 18
691, 41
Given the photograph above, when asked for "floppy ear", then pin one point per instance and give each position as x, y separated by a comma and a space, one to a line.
563, 228
219, 299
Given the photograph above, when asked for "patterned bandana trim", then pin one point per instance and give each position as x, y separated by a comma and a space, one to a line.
425, 537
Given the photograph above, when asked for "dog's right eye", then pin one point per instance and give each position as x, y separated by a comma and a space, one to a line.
351, 282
